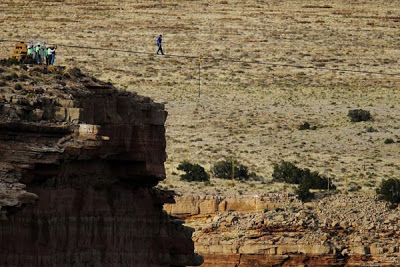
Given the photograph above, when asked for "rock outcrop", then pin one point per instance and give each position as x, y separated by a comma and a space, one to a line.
334, 230
190, 205
79, 160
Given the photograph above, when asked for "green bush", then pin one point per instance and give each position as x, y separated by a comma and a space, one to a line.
304, 126
357, 115
194, 172
9, 61
18, 86
390, 190
388, 141
223, 169
287, 172
353, 187
14, 76
303, 192
290, 173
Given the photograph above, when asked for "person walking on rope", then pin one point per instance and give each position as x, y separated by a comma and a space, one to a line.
159, 41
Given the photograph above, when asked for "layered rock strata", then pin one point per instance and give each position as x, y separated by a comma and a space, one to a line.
79, 160
334, 230
190, 205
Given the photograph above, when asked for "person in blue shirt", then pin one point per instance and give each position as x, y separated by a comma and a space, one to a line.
159, 41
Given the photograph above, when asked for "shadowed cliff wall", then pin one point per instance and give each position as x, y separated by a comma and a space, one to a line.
79, 160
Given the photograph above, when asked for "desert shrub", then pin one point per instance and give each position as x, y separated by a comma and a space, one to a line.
23, 77
303, 192
388, 141
27, 60
389, 190
9, 61
371, 129
18, 86
194, 172
223, 169
290, 173
357, 115
286, 172
13, 61
304, 126
354, 187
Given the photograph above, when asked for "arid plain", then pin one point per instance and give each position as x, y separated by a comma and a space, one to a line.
266, 67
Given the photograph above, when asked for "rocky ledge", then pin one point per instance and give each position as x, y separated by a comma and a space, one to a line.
333, 230
79, 160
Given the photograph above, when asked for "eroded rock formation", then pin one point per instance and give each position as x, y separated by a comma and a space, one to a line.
190, 205
79, 160
334, 230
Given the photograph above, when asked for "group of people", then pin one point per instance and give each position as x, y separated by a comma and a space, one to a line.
40, 54
47, 53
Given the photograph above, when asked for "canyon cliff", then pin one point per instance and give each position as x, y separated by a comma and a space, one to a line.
79, 162
276, 229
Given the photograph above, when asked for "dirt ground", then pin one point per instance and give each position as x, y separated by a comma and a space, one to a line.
253, 94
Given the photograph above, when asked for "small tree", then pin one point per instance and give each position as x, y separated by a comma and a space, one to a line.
223, 169
303, 192
306, 179
316, 181
390, 190
286, 172
194, 172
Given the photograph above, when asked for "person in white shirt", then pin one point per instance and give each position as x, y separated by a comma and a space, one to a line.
51, 52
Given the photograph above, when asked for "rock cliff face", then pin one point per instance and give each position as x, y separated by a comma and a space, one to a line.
190, 205
334, 230
79, 160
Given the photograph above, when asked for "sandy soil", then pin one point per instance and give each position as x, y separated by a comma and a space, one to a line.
246, 110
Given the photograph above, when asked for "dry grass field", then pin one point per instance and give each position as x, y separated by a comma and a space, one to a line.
247, 110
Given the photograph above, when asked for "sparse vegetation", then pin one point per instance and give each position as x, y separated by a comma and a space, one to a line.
371, 129
194, 172
388, 141
389, 190
287, 172
223, 169
290, 173
357, 115
9, 62
280, 98
353, 187
18, 86
304, 126
303, 192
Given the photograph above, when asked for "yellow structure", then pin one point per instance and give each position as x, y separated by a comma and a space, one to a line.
20, 51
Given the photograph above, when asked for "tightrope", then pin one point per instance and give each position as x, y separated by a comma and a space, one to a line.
232, 60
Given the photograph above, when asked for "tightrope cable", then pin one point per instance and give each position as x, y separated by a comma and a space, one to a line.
232, 60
